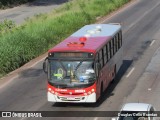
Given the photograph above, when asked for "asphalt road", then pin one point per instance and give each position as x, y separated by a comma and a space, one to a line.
20, 13
137, 81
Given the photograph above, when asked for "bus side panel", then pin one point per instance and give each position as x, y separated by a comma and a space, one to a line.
106, 75
104, 79
115, 63
98, 85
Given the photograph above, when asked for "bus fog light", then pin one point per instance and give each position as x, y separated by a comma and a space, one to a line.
85, 94
92, 90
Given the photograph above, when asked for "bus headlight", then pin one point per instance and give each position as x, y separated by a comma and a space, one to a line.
92, 90
49, 89
52, 91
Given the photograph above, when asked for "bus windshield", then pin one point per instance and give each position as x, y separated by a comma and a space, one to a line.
71, 72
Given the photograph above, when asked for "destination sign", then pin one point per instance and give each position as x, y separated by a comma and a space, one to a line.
71, 54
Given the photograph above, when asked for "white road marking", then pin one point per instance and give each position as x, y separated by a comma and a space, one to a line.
130, 72
152, 42
96, 118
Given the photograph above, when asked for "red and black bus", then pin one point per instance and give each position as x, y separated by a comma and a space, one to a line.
81, 67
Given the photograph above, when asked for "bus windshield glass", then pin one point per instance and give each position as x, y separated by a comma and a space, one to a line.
71, 72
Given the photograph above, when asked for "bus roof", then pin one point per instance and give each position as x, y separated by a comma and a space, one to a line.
96, 36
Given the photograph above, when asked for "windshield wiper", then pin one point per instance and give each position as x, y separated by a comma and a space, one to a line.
78, 65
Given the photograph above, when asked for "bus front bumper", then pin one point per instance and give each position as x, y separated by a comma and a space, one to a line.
76, 99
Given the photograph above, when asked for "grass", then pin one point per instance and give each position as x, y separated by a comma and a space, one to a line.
23, 43
6, 25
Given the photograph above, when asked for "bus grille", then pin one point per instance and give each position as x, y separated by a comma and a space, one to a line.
70, 94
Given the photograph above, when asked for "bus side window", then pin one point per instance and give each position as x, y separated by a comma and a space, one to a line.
103, 62
110, 48
104, 54
116, 46
97, 61
117, 38
100, 58
113, 45
109, 54
120, 39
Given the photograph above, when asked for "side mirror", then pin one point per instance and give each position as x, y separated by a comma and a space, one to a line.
45, 65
